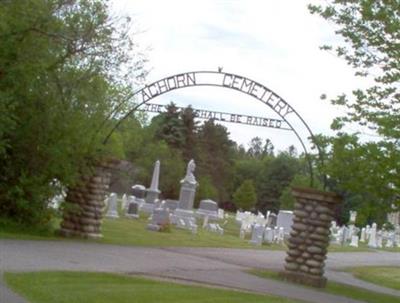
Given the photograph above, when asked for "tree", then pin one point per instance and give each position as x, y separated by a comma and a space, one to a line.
371, 35
206, 190
275, 176
170, 127
190, 127
215, 154
64, 67
245, 196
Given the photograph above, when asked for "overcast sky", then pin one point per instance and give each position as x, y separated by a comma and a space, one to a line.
275, 43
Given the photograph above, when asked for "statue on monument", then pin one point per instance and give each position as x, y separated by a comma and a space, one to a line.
189, 172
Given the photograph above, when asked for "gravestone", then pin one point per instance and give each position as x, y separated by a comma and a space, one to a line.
271, 220
132, 211
257, 235
138, 194
188, 189
159, 220
152, 192
372, 242
280, 236
285, 220
208, 208
112, 211
169, 204
269, 235
124, 203
186, 199
362, 236
354, 241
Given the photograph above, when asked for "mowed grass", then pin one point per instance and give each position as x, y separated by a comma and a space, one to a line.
384, 276
133, 232
339, 289
78, 287
124, 231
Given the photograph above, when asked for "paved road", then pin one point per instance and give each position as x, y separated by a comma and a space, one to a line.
219, 267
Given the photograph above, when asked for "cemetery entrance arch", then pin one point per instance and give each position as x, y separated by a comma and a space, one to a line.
289, 119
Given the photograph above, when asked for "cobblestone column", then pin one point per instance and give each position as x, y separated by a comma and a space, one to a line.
309, 238
84, 204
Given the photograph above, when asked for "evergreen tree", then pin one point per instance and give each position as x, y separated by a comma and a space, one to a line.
170, 127
189, 130
245, 196
216, 157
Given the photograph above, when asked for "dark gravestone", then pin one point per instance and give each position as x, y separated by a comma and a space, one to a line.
133, 211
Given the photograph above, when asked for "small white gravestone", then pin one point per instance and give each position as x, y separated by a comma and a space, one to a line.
354, 241
269, 235
390, 240
353, 216
285, 220
124, 203
372, 242
159, 219
363, 235
379, 239
112, 202
257, 234
242, 234
344, 235
221, 213
205, 221
397, 240
281, 236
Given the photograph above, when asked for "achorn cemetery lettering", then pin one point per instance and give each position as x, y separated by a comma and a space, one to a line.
239, 83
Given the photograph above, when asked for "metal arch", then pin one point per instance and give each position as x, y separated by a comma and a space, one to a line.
230, 81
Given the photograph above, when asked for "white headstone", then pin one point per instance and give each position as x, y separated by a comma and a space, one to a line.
372, 242
363, 235
285, 220
112, 203
269, 235
124, 203
257, 234
354, 241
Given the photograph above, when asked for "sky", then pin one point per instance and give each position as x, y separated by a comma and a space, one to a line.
275, 43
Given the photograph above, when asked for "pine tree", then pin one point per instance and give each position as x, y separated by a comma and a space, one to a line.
245, 196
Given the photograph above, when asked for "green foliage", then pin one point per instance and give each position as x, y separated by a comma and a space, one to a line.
215, 157
367, 173
59, 81
245, 196
206, 190
275, 176
286, 199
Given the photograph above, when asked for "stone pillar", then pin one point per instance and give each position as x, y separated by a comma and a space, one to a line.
84, 204
309, 238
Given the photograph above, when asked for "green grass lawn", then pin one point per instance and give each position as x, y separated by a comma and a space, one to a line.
78, 287
125, 231
339, 289
384, 276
